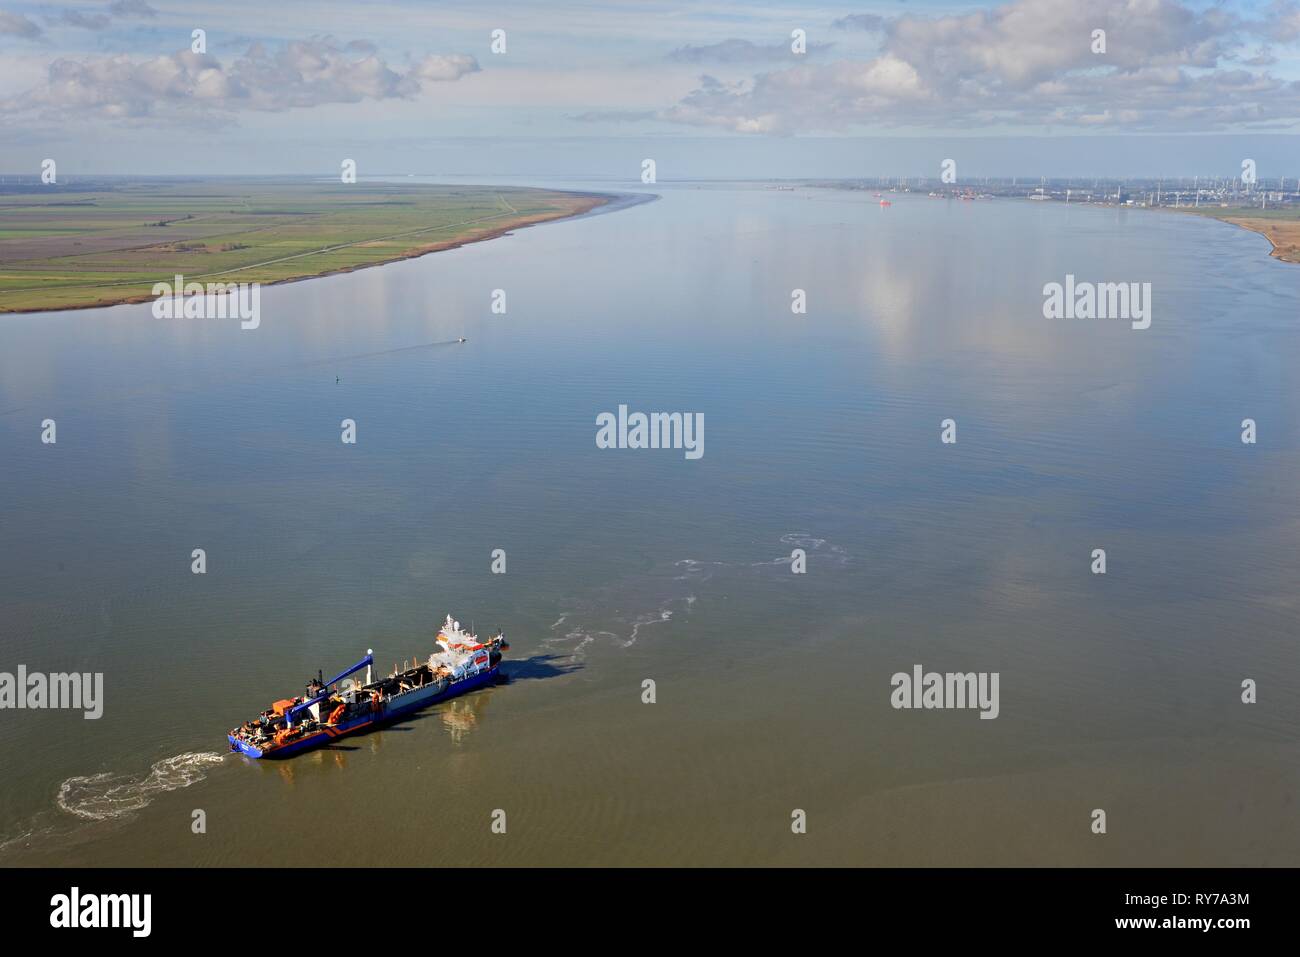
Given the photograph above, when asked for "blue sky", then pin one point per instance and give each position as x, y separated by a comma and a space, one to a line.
114, 86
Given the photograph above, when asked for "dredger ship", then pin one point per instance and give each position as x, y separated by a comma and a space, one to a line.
334, 709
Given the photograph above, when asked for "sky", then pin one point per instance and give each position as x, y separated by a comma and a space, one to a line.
766, 89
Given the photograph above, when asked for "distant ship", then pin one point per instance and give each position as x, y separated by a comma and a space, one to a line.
885, 202
329, 710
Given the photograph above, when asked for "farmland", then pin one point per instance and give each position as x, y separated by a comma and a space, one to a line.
66, 249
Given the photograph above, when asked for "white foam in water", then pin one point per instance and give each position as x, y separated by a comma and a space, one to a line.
99, 797
825, 550
583, 639
693, 570
811, 543
664, 615
694, 567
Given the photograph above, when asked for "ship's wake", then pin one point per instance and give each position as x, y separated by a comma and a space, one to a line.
88, 801
576, 639
817, 550
101, 797
664, 595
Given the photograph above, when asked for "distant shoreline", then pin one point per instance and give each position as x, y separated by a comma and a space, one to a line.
1279, 225
1282, 233
563, 205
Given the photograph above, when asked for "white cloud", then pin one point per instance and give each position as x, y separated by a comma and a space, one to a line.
445, 68
300, 74
1026, 62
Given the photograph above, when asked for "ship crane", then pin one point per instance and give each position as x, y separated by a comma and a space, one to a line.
365, 662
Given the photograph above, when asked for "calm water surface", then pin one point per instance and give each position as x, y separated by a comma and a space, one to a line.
1119, 692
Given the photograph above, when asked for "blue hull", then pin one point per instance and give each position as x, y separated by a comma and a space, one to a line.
328, 735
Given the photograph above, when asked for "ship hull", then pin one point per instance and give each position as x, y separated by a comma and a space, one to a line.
393, 710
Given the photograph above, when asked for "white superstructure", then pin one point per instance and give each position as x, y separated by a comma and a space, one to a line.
462, 653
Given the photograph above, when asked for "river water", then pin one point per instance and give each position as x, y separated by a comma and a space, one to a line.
1120, 692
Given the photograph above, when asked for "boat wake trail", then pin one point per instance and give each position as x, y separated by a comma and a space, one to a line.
101, 797
576, 639
818, 550
660, 596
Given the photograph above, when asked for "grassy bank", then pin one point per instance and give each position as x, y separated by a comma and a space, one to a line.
1280, 226
61, 249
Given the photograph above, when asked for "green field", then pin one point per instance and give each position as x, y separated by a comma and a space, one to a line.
63, 249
